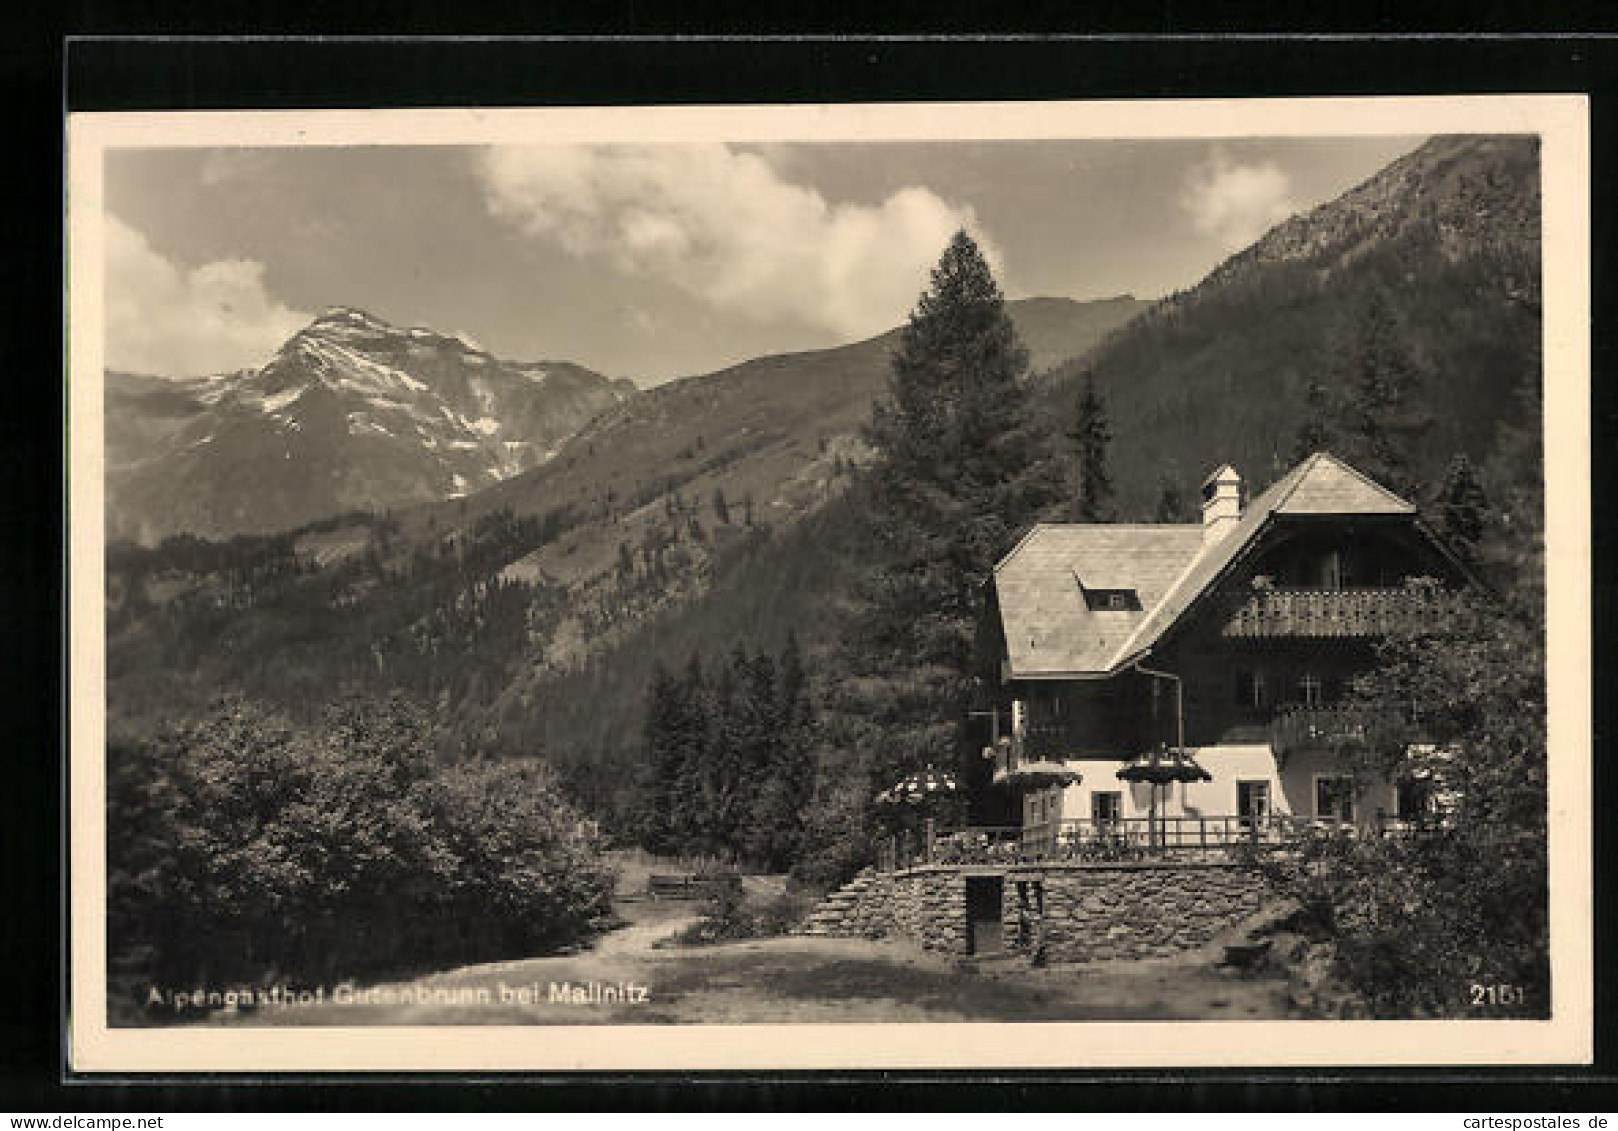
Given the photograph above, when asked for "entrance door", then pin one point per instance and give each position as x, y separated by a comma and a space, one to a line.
1252, 803
1106, 807
985, 935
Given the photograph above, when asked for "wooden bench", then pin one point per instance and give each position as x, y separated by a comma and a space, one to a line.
687, 885
1246, 956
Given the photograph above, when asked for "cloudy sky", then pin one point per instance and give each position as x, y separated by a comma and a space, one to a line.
656, 262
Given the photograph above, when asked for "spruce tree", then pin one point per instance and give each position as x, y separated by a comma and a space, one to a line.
666, 737
1315, 434
722, 778
757, 731
1382, 417
1462, 507
1513, 544
955, 477
1092, 437
1171, 505
689, 815
786, 786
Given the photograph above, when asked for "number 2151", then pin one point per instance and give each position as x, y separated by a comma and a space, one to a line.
1499, 993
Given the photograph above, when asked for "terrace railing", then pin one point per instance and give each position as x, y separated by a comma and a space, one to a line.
1125, 839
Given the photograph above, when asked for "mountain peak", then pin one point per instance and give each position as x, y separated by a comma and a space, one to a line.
1460, 189
352, 413
350, 315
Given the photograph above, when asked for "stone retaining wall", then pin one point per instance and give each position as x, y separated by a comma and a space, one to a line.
1074, 912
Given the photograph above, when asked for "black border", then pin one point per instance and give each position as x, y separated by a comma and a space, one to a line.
128, 74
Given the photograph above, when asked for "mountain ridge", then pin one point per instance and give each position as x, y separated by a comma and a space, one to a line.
350, 413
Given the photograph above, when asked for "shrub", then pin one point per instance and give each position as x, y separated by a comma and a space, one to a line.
731, 916
1414, 925
528, 868
1417, 923
244, 851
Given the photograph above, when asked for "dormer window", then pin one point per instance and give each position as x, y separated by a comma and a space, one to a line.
1112, 600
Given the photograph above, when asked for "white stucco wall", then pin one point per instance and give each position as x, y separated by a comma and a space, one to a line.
1292, 791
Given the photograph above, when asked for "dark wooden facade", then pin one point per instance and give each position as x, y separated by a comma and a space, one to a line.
1296, 617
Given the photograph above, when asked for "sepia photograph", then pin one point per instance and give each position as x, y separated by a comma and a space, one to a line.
862, 586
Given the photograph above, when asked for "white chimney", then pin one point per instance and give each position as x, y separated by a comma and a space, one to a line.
1221, 503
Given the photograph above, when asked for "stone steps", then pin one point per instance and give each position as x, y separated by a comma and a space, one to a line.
835, 916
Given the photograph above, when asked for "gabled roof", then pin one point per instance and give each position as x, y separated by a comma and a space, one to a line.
1320, 485
1050, 630
1049, 627
1324, 484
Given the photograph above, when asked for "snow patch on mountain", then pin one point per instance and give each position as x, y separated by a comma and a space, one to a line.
387, 416
275, 402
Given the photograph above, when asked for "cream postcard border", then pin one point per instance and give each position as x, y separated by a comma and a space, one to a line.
1562, 123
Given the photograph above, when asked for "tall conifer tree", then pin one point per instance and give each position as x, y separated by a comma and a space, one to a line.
1462, 507
1171, 504
1092, 438
956, 476
787, 784
1383, 415
1315, 434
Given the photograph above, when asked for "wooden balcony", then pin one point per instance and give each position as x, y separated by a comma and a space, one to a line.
1030, 757
1298, 727
1353, 613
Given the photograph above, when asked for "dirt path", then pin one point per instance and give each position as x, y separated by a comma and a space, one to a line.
627, 978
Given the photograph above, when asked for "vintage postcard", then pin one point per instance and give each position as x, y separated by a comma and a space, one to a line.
1061, 585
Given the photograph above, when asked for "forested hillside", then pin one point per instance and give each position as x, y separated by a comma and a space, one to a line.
1446, 237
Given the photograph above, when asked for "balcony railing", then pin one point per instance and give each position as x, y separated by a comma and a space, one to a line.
1299, 727
1045, 748
1125, 839
1035, 754
1343, 612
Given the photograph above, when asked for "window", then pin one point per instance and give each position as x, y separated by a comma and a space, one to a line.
1250, 689
1311, 692
1107, 807
1414, 800
1112, 600
1334, 797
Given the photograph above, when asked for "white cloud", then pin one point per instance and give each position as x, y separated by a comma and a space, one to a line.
166, 320
726, 227
1237, 203
225, 166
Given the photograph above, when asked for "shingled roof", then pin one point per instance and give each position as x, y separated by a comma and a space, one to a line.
1049, 628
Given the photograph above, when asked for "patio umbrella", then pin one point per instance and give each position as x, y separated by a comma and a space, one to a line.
922, 794
925, 787
1161, 767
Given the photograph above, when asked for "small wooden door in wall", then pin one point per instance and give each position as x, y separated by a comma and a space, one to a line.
984, 895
